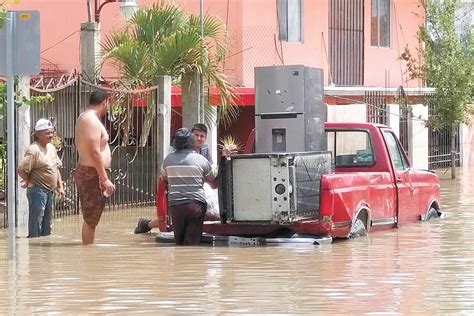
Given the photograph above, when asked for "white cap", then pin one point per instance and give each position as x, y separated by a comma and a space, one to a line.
43, 124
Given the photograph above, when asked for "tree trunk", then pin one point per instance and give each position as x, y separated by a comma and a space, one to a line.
191, 104
453, 152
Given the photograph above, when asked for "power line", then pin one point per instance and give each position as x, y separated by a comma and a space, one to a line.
59, 42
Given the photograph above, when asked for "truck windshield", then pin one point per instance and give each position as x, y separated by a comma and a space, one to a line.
350, 148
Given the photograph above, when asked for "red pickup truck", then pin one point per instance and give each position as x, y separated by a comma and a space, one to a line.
367, 184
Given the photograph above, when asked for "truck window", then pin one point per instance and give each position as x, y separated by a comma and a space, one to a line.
350, 148
398, 159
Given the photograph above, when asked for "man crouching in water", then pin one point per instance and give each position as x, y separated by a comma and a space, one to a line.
185, 171
91, 178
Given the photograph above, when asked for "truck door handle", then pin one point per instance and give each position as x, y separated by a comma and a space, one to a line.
399, 180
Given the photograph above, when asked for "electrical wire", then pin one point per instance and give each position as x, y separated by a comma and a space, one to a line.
372, 105
59, 42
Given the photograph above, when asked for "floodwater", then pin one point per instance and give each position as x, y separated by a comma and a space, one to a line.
423, 268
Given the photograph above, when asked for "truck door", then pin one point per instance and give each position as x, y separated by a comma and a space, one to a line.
404, 177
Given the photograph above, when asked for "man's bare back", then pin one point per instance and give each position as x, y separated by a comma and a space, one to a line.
89, 127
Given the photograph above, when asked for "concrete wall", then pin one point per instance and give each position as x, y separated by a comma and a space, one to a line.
467, 144
347, 113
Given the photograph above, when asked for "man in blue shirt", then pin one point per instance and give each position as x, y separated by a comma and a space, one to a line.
200, 135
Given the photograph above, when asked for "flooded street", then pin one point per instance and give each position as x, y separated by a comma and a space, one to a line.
419, 268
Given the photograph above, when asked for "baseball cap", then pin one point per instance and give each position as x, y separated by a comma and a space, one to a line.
183, 134
43, 124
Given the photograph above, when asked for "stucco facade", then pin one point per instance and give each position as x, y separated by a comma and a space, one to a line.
253, 32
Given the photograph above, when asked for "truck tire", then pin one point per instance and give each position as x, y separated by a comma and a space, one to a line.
358, 229
432, 213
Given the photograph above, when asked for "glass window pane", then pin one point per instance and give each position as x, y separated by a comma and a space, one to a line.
283, 19
353, 148
398, 159
374, 24
384, 26
294, 20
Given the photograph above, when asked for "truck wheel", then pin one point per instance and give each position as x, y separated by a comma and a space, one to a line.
432, 213
358, 229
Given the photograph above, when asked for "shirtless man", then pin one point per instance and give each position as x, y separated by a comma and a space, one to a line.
90, 175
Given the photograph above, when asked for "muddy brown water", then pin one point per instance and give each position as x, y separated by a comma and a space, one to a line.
423, 268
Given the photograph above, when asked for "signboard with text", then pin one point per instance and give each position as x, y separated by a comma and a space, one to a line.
26, 43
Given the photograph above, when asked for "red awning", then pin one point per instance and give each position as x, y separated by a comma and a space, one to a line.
245, 96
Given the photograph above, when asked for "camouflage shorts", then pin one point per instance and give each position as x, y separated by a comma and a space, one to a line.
90, 195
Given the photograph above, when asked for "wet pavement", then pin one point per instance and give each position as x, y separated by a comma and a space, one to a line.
420, 268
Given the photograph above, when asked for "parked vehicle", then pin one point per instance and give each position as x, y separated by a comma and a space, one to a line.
363, 183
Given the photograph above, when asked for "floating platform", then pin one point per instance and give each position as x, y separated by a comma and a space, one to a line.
168, 237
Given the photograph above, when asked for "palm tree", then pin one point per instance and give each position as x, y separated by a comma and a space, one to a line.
165, 40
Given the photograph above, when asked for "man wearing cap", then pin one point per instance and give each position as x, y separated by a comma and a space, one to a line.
39, 171
185, 171
90, 175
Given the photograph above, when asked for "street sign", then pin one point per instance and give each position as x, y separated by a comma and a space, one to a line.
19, 55
25, 42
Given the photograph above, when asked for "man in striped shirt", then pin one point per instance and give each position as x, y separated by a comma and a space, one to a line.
185, 171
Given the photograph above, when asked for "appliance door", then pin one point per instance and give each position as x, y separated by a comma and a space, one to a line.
280, 133
251, 193
279, 89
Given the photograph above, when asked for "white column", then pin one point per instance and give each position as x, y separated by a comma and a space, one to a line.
394, 118
164, 119
418, 137
23, 142
467, 144
212, 140
90, 50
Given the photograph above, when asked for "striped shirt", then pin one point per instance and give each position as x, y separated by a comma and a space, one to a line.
185, 171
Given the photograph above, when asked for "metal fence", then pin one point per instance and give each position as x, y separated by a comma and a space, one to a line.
439, 146
377, 110
3, 162
132, 126
404, 114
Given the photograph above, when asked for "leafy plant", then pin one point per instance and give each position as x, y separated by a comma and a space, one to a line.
230, 145
165, 40
446, 63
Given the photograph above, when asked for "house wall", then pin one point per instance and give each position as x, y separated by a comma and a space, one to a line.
253, 32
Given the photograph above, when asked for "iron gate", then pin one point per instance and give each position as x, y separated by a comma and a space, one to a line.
439, 146
3, 162
377, 111
132, 126
404, 114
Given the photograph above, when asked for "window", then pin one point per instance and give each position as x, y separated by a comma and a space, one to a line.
290, 20
350, 148
380, 23
398, 158
346, 42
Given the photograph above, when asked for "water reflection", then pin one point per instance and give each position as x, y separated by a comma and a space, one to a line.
419, 268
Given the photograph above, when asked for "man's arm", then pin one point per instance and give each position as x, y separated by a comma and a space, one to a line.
60, 188
210, 172
24, 167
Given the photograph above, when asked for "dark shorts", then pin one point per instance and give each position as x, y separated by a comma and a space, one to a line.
187, 222
90, 195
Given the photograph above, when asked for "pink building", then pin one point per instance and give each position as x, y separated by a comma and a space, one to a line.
356, 42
